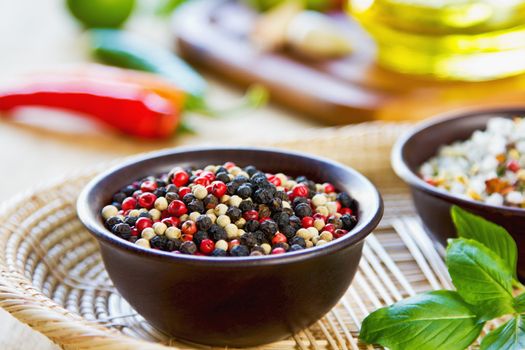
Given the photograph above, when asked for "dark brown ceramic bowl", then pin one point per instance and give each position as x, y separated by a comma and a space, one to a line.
232, 301
433, 204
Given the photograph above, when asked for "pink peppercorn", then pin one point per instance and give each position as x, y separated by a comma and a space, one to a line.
143, 223
148, 186
513, 166
345, 211
129, 203
250, 215
218, 188
184, 191
201, 180
279, 238
278, 250
207, 246
328, 187
307, 221
147, 200
177, 208
300, 190
329, 227
180, 178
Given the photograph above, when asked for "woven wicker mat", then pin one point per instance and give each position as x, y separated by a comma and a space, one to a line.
52, 277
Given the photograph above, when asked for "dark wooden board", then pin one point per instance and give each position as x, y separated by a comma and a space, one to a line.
214, 34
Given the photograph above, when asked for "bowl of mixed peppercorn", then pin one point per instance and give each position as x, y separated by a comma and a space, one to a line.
474, 159
231, 247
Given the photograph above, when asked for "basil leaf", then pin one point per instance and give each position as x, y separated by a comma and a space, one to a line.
509, 336
481, 277
491, 235
519, 303
437, 320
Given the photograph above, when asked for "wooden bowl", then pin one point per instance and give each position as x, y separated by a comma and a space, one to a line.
241, 301
433, 204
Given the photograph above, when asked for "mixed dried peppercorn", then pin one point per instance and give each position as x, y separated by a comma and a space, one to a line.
225, 210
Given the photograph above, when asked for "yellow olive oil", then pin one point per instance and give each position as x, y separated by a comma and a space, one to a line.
448, 39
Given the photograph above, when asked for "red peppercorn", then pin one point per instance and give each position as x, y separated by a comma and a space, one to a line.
129, 203
513, 165
290, 195
300, 190
278, 250
207, 246
147, 200
273, 179
233, 243
201, 180
218, 188
250, 215
189, 227
261, 220
209, 175
339, 233
180, 178
148, 186
328, 187
338, 206
344, 211
134, 232
187, 238
143, 223
329, 227
137, 193
307, 221
177, 208
229, 165
184, 191
279, 238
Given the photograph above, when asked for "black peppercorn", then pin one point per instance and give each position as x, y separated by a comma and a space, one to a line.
145, 214
239, 179
248, 239
276, 204
295, 222
195, 205
210, 201
117, 205
203, 222
122, 230
269, 227
112, 221
199, 236
159, 242
251, 226
223, 177
128, 190
299, 200
295, 247
217, 232
302, 210
281, 218
281, 195
349, 221
188, 197
250, 170
288, 211
262, 196
240, 250
244, 191
160, 192
347, 201
218, 252
246, 205
161, 183
172, 188
298, 241
173, 244
261, 237
188, 247
119, 197
288, 231
234, 213
232, 187
130, 220
171, 196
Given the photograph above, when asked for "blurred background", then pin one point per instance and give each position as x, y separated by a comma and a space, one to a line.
84, 82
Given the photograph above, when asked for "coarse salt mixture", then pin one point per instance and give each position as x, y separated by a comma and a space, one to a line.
488, 167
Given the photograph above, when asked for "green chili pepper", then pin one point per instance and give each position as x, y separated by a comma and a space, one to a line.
119, 48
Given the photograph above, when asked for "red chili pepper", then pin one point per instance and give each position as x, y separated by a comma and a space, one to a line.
134, 103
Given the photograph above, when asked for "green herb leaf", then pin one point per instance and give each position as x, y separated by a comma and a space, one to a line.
491, 235
510, 336
519, 303
437, 320
481, 277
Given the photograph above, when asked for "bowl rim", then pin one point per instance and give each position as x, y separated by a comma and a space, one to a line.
406, 174
364, 227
